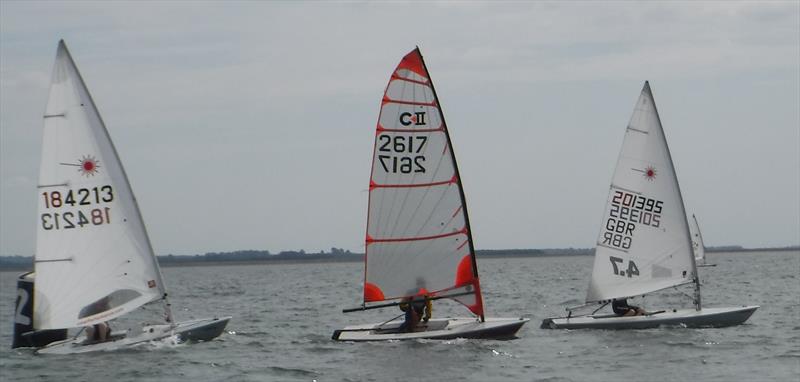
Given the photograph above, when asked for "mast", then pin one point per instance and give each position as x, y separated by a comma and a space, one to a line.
687, 235
478, 293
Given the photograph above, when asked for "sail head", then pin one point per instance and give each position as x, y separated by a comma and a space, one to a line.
418, 240
644, 242
93, 261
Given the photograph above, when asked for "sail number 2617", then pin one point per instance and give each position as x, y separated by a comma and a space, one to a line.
404, 149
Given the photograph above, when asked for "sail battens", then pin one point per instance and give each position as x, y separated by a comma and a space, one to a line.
412, 103
410, 131
55, 115
52, 185
625, 189
399, 78
637, 130
52, 260
463, 231
414, 185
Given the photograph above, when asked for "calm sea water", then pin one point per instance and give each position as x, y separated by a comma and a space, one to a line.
284, 315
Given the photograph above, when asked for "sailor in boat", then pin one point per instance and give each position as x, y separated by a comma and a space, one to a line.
621, 308
100, 332
414, 308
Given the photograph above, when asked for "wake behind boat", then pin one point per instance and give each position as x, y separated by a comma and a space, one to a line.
419, 243
94, 261
644, 245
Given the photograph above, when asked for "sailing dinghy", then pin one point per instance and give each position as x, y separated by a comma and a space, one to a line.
644, 245
418, 242
94, 261
697, 245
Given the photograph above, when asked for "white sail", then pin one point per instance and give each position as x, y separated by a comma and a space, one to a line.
697, 242
94, 261
418, 238
644, 243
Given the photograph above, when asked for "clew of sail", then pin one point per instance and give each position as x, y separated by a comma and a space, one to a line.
94, 261
418, 240
697, 242
644, 242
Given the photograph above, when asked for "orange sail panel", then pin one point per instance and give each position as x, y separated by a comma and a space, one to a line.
418, 237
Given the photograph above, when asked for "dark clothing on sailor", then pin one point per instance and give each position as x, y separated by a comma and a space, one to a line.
620, 307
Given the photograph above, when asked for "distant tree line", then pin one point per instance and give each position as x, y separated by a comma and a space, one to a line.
338, 254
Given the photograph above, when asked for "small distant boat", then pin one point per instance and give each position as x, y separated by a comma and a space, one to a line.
697, 245
644, 245
94, 261
419, 241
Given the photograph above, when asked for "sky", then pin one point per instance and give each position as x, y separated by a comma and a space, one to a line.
250, 125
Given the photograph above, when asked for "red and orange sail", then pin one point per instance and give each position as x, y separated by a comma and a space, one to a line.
418, 238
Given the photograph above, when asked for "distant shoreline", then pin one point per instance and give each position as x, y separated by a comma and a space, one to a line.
253, 257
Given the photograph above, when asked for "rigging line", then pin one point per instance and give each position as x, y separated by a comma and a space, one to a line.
395, 76
682, 292
394, 227
382, 205
435, 172
391, 227
431, 211
444, 192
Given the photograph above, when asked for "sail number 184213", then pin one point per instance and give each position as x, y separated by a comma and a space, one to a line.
77, 208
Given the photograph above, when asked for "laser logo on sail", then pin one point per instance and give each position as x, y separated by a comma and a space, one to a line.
89, 166
649, 173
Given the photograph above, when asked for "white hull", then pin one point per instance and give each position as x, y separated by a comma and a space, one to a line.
441, 329
706, 317
195, 330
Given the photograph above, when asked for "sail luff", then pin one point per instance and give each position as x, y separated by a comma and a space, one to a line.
471, 244
681, 205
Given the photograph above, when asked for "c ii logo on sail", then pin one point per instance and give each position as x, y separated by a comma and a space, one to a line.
417, 118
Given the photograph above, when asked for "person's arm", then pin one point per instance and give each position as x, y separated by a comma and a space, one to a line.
428, 310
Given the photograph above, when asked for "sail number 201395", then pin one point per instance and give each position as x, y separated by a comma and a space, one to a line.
82, 216
626, 212
404, 150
